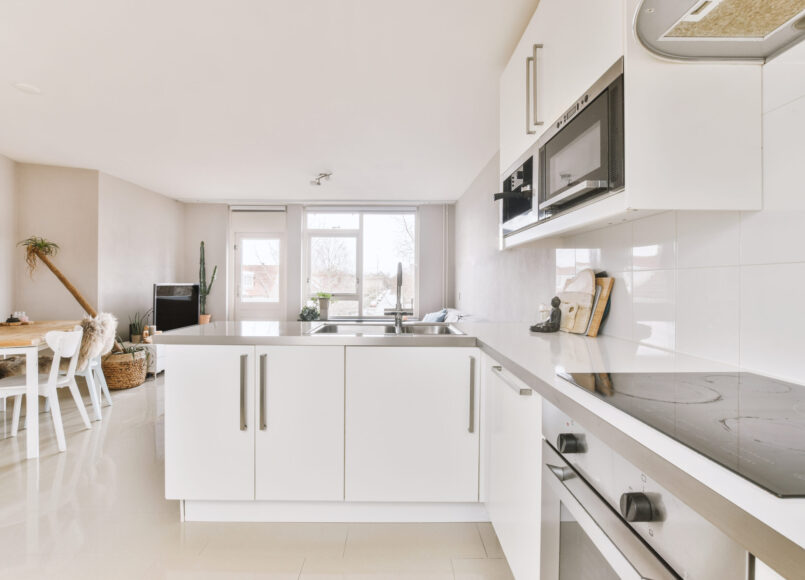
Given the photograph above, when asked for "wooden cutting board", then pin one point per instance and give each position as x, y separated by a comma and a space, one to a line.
32, 334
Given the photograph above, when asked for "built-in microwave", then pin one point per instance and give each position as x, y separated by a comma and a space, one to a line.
578, 159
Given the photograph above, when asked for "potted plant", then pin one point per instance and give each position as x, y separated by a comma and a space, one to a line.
126, 366
204, 287
137, 324
308, 313
324, 304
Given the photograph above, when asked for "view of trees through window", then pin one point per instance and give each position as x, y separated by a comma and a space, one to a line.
354, 256
260, 262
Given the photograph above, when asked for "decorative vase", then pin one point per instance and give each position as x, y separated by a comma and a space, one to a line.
324, 308
136, 338
204, 318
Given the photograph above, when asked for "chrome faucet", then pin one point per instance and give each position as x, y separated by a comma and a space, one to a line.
398, 312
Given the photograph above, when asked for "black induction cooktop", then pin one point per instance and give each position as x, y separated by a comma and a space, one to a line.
750, 424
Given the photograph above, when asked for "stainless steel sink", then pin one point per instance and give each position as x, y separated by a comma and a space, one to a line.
380, 329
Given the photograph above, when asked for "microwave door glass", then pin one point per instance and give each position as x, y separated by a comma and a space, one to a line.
575, 162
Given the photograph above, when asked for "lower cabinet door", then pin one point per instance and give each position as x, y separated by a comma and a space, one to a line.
209, 434
515, 461
299, 417
412, 424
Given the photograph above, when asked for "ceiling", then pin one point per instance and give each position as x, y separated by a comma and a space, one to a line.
249, 99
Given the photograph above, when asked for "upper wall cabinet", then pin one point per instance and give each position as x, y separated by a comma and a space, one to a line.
567, 45
692, 130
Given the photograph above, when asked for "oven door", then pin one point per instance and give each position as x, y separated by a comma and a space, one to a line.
583, 538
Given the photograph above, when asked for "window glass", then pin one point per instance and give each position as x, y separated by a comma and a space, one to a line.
333, 221
387, 240
259, 272
343, 308
333, 264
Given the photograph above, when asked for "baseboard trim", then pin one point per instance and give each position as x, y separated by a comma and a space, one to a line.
316, 512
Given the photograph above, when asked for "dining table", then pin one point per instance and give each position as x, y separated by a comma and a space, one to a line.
28, 339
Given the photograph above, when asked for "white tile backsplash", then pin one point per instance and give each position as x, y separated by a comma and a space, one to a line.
772, 317
708, 238
654, 305
654, 242
772, 237
619, 322
708, 313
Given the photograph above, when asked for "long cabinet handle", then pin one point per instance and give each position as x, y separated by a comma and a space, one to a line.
263, 381
471, 427
529, 65
244, 370
535, 82
498, 370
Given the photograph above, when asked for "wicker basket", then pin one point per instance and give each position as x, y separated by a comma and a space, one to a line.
124, 370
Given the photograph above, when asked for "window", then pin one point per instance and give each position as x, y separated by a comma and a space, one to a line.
353, 255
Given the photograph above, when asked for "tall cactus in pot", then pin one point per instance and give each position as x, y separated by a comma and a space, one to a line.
204, 287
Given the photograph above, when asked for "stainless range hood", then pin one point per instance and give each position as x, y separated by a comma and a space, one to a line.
720, 29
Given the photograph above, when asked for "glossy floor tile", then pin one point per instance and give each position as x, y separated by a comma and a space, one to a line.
98, 511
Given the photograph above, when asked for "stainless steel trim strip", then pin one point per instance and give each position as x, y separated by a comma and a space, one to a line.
782, 554
471, 427
263, 394
535, 101
244, 369
529, 63
575, 191
498, 370
636, 559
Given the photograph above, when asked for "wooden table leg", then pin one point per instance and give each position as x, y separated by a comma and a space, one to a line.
32, 402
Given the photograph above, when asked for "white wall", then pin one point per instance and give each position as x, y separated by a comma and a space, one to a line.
8, 240
489, 284
140, 243
719, 285
434, 271
60, 204
209, 223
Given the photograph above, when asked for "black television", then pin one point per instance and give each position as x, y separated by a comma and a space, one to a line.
175, 305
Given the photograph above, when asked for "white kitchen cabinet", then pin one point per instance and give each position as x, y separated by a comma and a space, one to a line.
580, 40
209, 432
412, 432
513, 442
299, 415
692, 130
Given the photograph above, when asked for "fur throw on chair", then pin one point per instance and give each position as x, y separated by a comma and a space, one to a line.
97, 339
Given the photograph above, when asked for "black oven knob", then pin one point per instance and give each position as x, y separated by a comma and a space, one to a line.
568, 443
636, 507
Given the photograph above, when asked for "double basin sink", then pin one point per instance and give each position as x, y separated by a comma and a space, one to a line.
378, 328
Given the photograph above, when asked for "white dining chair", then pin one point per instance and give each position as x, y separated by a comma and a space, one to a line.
64, 345
96, 385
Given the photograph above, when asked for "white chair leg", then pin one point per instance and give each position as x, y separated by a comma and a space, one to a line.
102, 382
58, 427
79, 403
15, 417
47, 404
93, 394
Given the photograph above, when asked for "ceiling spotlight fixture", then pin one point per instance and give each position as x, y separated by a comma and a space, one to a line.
321, 177
27, 88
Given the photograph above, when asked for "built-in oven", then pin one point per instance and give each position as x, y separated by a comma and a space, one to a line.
603, 518
578, 159
581, 156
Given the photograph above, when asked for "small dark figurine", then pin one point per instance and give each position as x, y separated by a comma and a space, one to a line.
552, 324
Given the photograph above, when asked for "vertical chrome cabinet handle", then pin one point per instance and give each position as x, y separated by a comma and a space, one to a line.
244, 369
529, 65
263, 380
535, 81
471, 427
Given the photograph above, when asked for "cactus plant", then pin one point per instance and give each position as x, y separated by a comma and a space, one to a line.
204, 287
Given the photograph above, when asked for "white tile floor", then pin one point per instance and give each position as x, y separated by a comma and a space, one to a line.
98, 511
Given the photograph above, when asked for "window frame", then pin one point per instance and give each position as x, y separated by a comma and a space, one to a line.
309, 233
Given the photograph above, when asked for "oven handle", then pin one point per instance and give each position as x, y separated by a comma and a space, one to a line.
628, 555
575, 191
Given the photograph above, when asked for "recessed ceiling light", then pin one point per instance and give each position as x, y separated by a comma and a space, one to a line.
27, 88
